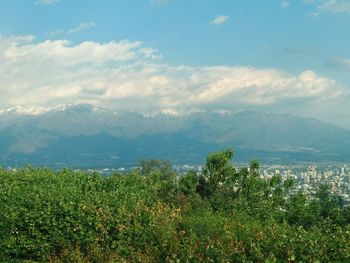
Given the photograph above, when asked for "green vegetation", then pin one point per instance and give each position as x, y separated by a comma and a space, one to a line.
223, 214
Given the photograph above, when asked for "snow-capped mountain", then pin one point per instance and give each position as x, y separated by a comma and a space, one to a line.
82, 134
39, 110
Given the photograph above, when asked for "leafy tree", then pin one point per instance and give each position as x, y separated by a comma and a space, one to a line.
158, 167
218, 173
188, 183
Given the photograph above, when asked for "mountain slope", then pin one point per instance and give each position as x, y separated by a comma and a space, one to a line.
83, 135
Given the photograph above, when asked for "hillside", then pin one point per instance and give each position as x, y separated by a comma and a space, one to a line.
223, 214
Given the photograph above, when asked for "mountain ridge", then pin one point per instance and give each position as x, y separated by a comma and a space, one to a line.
28, 135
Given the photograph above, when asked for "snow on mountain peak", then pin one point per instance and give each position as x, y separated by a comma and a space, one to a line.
39, 110
171, 112
21, 110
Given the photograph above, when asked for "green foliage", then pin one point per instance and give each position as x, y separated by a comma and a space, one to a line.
159, 168
223, 214
217, 172
188, 184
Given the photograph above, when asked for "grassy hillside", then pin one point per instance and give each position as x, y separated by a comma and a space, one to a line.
151, 215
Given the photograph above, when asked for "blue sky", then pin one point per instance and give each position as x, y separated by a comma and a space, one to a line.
285, 56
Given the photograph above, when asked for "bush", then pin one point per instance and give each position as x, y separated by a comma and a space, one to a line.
221, 215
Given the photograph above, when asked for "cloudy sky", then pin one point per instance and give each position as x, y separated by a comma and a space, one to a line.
274, 55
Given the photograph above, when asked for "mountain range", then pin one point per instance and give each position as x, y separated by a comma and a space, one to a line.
84, 136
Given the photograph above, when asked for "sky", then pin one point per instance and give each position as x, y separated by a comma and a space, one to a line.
273, 55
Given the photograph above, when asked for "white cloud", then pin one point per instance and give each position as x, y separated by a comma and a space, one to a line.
219, 20
46, 2
329, 6
125, 75
82, 26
